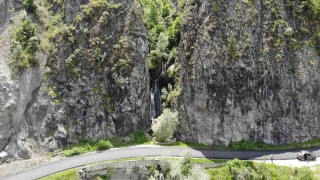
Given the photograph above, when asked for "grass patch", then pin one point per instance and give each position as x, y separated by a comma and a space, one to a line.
221, 173
251, 145
193, 145
85, 145
70, 174
317, 171
200, 160
134, 139
82, 147
204, 160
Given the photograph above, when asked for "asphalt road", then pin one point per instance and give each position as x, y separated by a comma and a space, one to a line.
151, 151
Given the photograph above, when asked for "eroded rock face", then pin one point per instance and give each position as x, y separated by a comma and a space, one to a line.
99, 74
3, 12
7, 103
96, 81
7, 7
247, 73
23, 113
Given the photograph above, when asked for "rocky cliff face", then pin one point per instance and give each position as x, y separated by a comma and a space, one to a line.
15, 94
92, 83
98, 71
249, 70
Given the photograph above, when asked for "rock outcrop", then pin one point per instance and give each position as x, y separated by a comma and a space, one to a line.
249, 71
7, 8
98, 72
93, 84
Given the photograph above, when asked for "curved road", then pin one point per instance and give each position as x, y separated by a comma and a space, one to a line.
151, 151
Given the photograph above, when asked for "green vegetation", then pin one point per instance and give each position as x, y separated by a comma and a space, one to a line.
193, 160
169, 95
314, 5
70, 174
137, 138
104, 145
30, 6
163, 20
122, 64
165, 126
205, 160
107, 175
237, 169
317, 172
185, 168
179, 169
232, 48
187, 144
51, 24
310, 11
249, 145
316, 42
26, 44
85, 146
94, 6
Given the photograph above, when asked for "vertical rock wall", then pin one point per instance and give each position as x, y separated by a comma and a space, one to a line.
248, 72
98, 72
94, 84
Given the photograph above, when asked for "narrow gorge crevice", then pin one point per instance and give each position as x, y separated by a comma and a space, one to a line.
163, 19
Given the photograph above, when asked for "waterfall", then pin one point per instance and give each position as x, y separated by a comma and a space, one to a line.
155, 94
155, 109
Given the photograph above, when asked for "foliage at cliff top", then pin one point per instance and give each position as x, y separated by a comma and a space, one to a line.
163, 22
